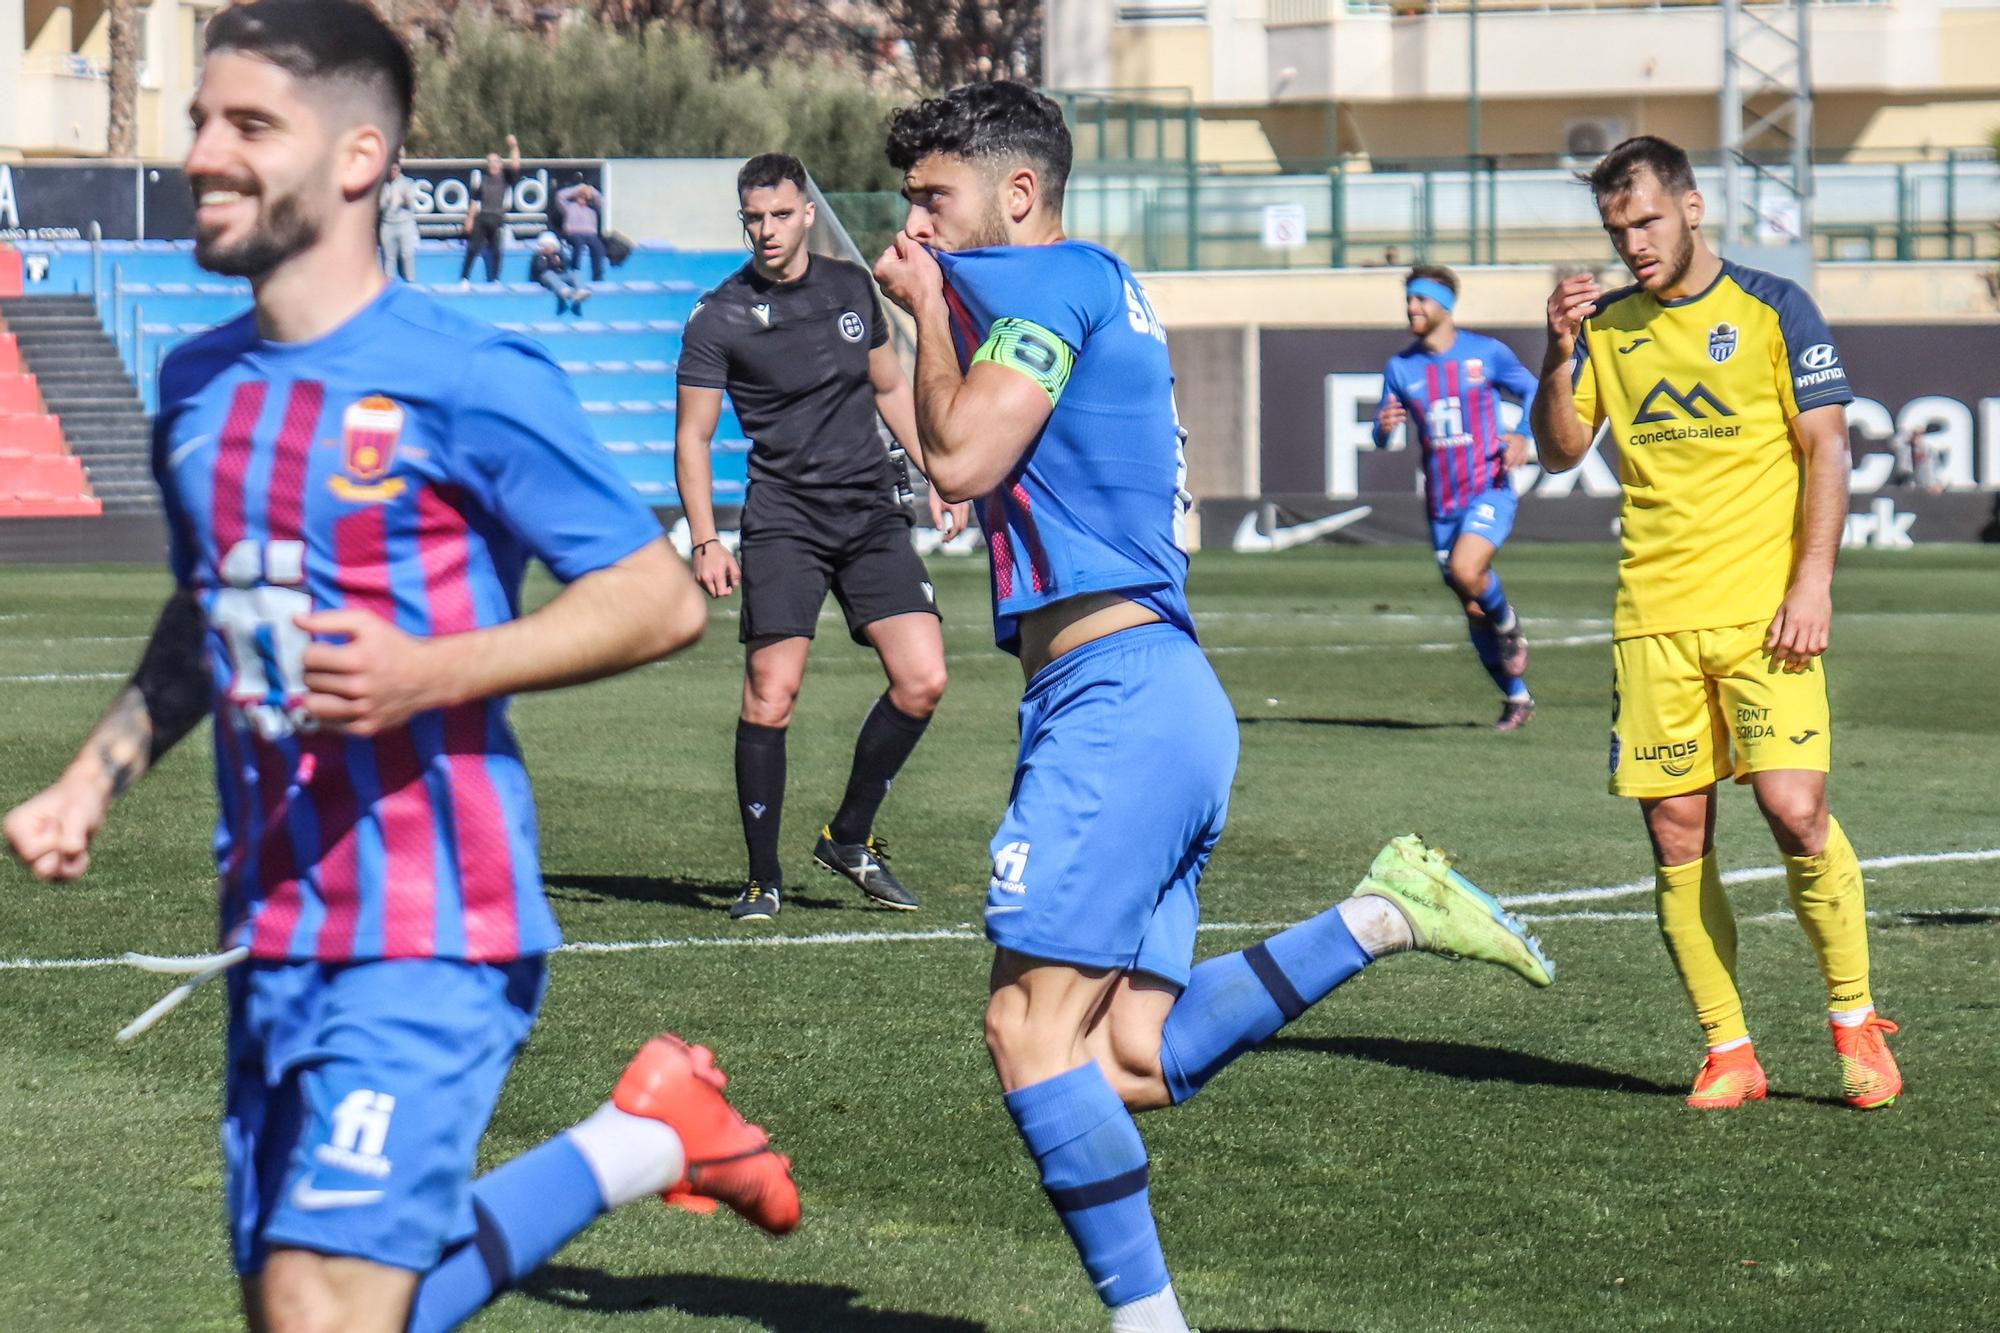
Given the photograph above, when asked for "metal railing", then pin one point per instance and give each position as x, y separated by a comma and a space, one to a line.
1167, 218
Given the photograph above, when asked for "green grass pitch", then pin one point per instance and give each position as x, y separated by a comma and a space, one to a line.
1434, 1147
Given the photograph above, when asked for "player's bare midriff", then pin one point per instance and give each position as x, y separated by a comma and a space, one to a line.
1051, 631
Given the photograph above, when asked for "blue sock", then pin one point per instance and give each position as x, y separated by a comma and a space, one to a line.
1239, 1000
1093, 1166
1494, 601
525, 1210
1487, 644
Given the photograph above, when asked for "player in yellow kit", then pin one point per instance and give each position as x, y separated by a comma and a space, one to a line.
1727, 400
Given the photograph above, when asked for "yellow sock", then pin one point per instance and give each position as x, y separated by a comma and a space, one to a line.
1829, 901
1701, 939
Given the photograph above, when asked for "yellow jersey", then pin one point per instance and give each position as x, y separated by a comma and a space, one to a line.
1700, 394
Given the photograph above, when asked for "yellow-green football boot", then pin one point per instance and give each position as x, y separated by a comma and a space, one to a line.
1449, 915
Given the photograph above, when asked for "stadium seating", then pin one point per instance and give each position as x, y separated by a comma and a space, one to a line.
620, 353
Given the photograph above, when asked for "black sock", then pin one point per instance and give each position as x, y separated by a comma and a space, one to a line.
888, 734
760, 794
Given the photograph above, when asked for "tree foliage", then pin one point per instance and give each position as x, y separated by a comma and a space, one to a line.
593, 91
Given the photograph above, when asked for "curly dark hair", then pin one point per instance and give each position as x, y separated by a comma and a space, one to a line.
987, 121
331, 41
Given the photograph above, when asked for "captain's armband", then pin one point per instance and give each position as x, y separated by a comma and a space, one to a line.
1025, 346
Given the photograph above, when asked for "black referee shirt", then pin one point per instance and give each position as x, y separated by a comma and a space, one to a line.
794, 359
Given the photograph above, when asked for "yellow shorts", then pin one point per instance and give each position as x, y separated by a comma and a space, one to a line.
1693, 708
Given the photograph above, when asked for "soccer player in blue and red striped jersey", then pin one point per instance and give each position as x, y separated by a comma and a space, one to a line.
1446, 386
355, 479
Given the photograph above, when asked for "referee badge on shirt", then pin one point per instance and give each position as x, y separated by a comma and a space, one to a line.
368, 433
1721, 343
852, 326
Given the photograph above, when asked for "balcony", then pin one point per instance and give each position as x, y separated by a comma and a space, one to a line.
1393, 51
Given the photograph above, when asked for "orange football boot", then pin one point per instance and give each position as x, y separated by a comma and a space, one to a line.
1728, 1079
1868, 1075
729, 1160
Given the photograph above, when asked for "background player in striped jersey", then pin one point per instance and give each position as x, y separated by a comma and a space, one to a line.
1043, 386
1446, 386
354, 479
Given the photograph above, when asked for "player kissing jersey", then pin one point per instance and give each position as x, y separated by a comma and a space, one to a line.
1099, 502
1700, 394
1454, 401
407, 464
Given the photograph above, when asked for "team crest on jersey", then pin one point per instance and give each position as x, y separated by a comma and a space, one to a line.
851, 326
1721, 343
368, 434
1475, 371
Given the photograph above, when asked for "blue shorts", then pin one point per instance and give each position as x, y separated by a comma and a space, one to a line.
1490, 515
1128, 747
355, 1097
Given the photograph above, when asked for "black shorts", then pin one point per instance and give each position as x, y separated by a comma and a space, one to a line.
798, 543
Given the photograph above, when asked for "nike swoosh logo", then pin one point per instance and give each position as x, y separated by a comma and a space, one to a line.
1248, 539
1803, 737
1002, 911
174, 458
311, 1200
1634, 345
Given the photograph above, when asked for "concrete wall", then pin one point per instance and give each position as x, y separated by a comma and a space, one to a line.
688, 202
1877, 293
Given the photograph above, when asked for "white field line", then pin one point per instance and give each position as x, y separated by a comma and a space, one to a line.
1454, 645
1748, 876
59, 677
969, 932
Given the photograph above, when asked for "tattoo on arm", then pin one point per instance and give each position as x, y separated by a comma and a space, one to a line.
165, 698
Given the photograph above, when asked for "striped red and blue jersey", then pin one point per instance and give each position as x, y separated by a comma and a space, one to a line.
407, 464
1099, 501
1455, 406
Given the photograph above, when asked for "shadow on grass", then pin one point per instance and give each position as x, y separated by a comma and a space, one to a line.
1948, 918
665, 889
782, 1307
1364, 723
1490, 1064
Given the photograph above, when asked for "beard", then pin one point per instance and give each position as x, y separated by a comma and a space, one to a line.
991, 230
1674, 268
283, 229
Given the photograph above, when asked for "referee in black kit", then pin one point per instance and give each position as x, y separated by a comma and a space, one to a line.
801, 345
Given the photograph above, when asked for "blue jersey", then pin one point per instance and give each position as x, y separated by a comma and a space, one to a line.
1099, 501
407, 464
1453, 398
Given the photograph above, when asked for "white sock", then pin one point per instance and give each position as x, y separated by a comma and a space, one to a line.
1850, 1018
630, 1155
1157, 1313
1506, 627
1377, 925
1719, 1048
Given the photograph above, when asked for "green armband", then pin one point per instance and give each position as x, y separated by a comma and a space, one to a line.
1031, 349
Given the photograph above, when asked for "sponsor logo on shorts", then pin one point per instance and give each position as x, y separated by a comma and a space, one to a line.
1753, 724
1010, 869
312, 1200
852, 327
360, 1130
930, 593
1676, 760
1802, 737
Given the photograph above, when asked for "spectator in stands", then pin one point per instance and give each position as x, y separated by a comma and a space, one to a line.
486, 214
397, 229
582, 209
546, 267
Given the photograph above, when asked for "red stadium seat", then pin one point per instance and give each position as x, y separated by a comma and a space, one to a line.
10, 355
39, 434
18, 393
